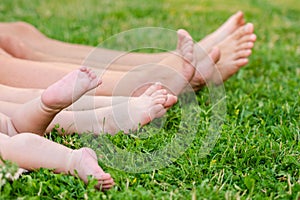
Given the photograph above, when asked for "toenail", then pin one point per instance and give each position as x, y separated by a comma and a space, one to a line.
247, 27
253, 37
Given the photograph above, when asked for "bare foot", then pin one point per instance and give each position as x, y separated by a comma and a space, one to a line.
205, 66
232, 24
84, 162
234, 41
176, 70
69, 89
153, 103
235, 51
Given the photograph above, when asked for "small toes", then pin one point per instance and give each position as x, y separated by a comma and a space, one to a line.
243, 54
170, 101
247, 29
241, 62
83, 68
153, 88
247, 38
156, 111
160, 100
245, 46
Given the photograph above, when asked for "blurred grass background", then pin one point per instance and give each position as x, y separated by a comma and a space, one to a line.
257, 155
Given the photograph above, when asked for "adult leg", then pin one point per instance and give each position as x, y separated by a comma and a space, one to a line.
28, 39
168, 75
32, 152
31, 74
23, 34
227, 29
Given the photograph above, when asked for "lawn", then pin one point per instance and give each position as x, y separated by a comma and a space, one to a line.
257, 154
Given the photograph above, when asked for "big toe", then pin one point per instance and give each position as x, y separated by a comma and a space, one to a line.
244, 30
152, 89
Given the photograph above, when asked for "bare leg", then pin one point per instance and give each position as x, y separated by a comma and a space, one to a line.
32, 152
32, 74
112, 78
17, 68
19, 96
125, 116
41, 111
235, 50
24, 41
30, 41
123, 113
232, 24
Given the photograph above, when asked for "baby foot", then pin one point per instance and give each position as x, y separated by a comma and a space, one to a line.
235, 51
141, 110
85, 163
69, 89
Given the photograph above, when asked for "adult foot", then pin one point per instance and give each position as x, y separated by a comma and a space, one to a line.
69, 89
234, 41
175, 71
235, 50
178, 65
232, 24
205, 66
84, 162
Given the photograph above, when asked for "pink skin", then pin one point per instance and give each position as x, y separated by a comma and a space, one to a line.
233, 41
84, 162
153, 103
226, 29
18, 49
235, 52
62, 93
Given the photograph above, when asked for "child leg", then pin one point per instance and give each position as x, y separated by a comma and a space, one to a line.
32, 152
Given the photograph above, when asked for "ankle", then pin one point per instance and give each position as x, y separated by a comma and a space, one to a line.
73, 162
47, 108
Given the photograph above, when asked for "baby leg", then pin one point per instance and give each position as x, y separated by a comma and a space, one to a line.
36, 115
31, 152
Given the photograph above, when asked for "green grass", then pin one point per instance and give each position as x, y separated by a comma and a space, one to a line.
257, 155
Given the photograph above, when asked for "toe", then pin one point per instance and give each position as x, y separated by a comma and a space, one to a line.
243, 54
83, 68
244, 30
245, 46
241, 62
183, 36
153, 88
171, 100
159, 93
160, 100
247, 38
156, 111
